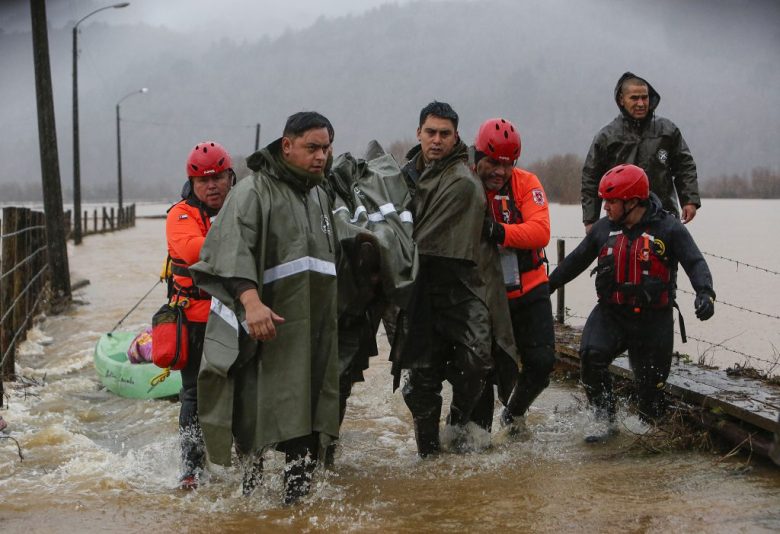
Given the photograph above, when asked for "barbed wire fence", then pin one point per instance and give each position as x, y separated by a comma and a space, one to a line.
24, 279
771, 364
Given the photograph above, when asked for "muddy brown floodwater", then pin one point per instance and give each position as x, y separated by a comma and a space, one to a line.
94, 462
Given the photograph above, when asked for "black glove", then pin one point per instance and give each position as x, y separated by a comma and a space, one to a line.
493, 231
705, 306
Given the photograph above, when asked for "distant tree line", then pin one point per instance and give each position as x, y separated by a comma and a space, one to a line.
560, 175
763, 183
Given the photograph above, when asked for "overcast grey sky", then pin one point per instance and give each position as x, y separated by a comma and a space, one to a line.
237, 19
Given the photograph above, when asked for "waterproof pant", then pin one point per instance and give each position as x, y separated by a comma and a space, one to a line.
300, 455
649, 338
190, 435
357, 343
465, 371
532, 325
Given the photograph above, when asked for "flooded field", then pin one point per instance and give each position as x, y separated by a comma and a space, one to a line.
94, 462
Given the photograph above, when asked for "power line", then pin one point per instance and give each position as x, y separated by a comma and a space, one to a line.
190, 124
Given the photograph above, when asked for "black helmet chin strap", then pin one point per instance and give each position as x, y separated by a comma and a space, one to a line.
627, 213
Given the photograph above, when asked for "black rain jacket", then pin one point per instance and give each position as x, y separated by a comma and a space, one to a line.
654, 144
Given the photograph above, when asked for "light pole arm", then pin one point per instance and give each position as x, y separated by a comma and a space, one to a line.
114, 6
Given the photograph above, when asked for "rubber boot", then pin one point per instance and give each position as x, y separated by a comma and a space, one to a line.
426, 432
192, 456
297, 479
253, 474
602, 428
652, 403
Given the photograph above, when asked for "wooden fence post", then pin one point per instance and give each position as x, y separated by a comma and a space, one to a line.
111, 220
561, 292
10, 226
68, 224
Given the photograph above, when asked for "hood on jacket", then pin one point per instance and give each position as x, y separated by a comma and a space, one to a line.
655, 208
655, 98
270, 161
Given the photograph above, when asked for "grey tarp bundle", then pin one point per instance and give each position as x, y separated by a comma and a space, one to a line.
274, 230
371, 204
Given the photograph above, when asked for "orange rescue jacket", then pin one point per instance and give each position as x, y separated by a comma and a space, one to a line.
185, 228
522, 209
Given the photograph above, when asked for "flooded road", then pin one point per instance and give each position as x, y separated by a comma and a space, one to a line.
94, 462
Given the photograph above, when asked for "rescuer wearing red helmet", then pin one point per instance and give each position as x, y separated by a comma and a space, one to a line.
210, 176
518, 221
638, 246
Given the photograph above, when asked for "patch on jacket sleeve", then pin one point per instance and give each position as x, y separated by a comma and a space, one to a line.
538, 196
183, 216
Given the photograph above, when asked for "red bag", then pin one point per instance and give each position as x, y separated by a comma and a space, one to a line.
170, 344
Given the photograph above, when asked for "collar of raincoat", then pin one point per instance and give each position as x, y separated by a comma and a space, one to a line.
270, 160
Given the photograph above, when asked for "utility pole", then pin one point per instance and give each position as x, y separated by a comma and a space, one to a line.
119, 145
50, 169
76, 154
257, 137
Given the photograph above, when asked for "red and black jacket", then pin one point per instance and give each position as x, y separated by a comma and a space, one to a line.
637, 266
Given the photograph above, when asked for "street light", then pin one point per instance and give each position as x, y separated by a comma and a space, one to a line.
119, 143
76, 162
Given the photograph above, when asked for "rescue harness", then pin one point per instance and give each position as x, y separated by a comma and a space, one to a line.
635, 273
514, 262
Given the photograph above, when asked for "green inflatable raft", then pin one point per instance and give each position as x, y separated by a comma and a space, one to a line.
131, 380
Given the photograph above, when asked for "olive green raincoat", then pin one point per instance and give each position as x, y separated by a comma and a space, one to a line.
276, 230
449, 206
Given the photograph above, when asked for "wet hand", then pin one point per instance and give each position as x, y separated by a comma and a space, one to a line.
261, 322
492, 231
688, 213
705, 306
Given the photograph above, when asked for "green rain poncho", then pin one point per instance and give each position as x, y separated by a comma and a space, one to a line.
275, 230
449, 208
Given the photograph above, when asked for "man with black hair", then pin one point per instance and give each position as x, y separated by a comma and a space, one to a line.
446, 332
639, 137
270, 367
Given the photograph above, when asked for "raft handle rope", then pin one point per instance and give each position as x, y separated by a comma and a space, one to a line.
134, 307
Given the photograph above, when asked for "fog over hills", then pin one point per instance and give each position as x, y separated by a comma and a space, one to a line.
548, 65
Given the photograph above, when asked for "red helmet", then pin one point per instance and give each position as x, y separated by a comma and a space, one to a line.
208, 158
624, 182
498, 139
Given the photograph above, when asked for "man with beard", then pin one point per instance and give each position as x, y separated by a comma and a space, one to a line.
518, 221
210, 177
